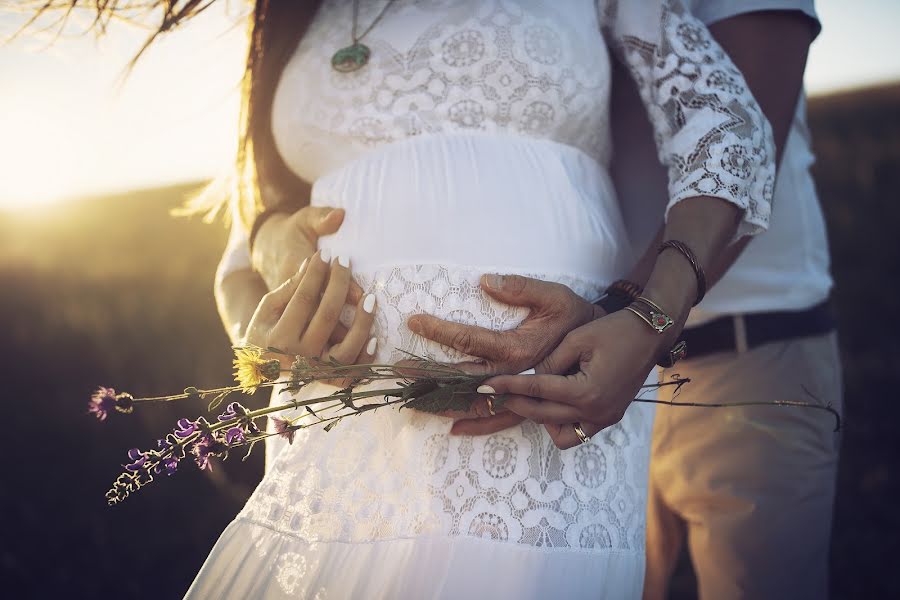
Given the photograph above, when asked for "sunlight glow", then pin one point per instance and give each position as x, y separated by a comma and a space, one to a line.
66, 131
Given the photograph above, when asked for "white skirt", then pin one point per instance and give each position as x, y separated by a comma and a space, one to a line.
388, 504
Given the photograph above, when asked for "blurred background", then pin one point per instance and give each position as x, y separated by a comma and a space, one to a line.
100, 286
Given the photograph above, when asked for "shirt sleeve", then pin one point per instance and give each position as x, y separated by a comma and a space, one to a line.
710, 133
237, 251
713, 11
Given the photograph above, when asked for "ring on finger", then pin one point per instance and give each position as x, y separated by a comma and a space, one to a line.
490, 405
585, 438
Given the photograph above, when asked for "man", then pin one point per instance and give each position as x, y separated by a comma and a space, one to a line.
749, 490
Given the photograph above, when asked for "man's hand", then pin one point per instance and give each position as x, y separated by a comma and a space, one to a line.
613, 356
285, 240
555, 311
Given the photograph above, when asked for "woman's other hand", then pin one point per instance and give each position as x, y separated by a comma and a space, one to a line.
286, 240
301, 316
555, 310
608, 361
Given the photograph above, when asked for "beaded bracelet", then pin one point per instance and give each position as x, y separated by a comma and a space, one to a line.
695, 264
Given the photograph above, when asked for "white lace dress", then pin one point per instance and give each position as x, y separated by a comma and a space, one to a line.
475, 141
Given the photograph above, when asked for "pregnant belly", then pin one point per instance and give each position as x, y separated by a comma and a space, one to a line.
427, 216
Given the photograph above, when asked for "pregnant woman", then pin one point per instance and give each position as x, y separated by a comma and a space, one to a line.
464, 138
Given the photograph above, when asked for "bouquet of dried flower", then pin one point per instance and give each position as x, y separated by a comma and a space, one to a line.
419, 383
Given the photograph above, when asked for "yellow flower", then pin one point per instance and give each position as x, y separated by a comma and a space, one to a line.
251, 369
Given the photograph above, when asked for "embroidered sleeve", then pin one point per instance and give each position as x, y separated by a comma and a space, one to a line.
710, 132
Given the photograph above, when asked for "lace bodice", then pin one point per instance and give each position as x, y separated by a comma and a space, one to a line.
528, 68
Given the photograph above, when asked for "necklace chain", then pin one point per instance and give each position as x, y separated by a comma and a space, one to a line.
353, 35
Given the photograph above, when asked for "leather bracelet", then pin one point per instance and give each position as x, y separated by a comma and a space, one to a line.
695, 264
618, 295
258, 222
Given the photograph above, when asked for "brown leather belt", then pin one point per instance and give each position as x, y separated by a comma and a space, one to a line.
723, 334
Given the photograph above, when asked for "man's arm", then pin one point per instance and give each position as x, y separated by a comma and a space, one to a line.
770, 48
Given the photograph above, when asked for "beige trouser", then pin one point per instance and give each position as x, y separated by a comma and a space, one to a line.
751, 489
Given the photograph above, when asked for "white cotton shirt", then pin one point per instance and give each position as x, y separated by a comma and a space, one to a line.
786, 267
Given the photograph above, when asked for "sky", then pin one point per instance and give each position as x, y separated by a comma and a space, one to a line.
68, 130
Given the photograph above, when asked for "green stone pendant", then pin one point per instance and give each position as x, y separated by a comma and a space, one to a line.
350, 58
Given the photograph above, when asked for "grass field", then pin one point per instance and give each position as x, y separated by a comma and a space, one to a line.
112, 291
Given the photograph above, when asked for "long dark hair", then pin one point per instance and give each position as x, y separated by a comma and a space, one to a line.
261, 179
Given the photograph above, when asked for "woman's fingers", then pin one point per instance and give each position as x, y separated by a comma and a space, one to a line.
328, 313
564, 435
547, 387
487, 425
303, 302
542, 411
358, 339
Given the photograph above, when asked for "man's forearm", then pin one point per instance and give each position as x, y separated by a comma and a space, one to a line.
237, 296
774, 72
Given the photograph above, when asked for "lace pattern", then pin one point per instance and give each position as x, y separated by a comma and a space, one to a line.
399, 474
533, 69
710, 131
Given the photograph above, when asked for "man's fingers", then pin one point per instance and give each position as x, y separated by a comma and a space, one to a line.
468, 339
520, 291
487, 425
541, 411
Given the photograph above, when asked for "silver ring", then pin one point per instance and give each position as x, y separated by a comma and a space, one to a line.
585, 438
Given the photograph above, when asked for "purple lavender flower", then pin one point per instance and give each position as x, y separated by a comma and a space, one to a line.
138, 459
235, 436
234, 410
205, 448
185, 428
283, 427
102, 401
167, 465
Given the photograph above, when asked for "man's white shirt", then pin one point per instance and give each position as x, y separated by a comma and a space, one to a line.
784, 268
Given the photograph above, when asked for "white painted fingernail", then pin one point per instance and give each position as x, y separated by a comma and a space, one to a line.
303, 264
344, 261
325, 255
528, 372
369, 304
485, 389
370, 347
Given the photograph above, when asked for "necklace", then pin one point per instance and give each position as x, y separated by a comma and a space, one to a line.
356, 55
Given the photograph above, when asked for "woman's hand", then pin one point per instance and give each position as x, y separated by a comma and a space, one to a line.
286, 240
555, 310
611, 358
301, 316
